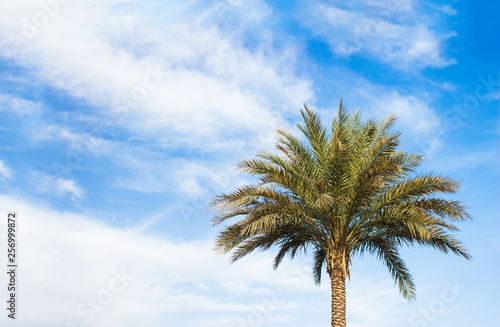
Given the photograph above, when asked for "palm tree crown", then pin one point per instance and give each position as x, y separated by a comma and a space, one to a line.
343, 192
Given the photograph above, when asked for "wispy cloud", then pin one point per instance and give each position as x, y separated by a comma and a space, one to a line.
5, 171
19, 106
78, 257
45, 183
415, 115
460, 160
195, 82
418, 119
392, 32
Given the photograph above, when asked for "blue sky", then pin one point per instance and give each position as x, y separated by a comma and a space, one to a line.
120, 119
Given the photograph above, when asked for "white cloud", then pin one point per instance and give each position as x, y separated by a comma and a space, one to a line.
5, 171
185, 84
209, 93
444, 8
486, 157
414, 114
82, 142
393, 32
45, 183
419, 123
76, 258
375, 299
19, 106
418, 120
146, 172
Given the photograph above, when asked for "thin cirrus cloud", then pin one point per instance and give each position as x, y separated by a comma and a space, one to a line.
417, 116
79, 257
203, 91
194, 82
5, 171
18, 106
50, 184
398, 33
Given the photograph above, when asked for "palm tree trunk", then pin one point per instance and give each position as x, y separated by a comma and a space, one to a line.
338, 298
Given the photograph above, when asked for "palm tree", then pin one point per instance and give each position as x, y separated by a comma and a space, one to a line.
344, 192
